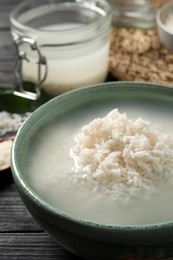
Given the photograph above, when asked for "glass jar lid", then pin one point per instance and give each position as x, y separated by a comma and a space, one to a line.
61, 22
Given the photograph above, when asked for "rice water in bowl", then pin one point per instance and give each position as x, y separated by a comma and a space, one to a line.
95, 169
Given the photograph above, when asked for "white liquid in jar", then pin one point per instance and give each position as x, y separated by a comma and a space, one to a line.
169, 22
60, 27
70, 68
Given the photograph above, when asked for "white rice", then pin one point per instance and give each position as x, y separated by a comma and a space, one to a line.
10, 122
5, 150
119, 155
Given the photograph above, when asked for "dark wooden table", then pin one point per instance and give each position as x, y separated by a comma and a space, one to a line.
20, 237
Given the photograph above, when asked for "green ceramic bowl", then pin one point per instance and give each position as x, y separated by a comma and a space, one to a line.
88, 239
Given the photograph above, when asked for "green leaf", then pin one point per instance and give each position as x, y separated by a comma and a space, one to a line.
15, 104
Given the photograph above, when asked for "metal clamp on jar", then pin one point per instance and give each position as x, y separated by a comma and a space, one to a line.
61, 45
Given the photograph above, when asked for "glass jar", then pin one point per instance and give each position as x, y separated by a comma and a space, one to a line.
61, 45
133, 13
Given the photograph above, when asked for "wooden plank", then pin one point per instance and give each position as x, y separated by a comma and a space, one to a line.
9, 4
32, 246
6, 80
7, 66
14, 216
4, 20
5, 41
7, 49
6, 7
35, 246
7, 59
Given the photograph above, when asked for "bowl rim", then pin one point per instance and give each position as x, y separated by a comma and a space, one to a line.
159, 21
26, 190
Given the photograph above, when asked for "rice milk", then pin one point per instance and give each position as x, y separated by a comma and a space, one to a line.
50, 170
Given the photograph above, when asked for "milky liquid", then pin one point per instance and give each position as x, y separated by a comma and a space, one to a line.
71, 67
60, 27
50, 170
